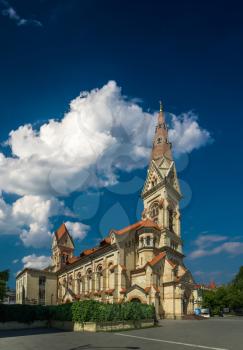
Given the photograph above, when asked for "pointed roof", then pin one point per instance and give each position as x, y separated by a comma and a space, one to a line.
61, 231
161, 144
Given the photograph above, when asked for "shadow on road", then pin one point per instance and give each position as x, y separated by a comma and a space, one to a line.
26, 332
90, 347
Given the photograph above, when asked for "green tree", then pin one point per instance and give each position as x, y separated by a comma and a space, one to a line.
4, 276
230, 296
237, 282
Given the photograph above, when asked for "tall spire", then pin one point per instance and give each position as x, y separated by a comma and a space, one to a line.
161, 144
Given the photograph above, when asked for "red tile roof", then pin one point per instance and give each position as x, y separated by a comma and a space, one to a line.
106, 240
73, 259
109, 291
147, 289
61, 231
157, 258
171, 263
156, 288
143, 223
88, 251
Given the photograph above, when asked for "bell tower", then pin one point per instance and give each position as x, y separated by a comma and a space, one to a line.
62, 248
161, 193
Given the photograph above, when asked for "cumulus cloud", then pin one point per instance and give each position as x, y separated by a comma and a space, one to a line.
12, 14
36, 262
28, 217
186, 134
102, 132
205, 246
77, 229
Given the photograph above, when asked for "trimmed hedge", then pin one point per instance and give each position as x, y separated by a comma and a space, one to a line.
90, 310
23, 313
82, 311
61, 312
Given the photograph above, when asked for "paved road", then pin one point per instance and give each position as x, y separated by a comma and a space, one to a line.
213, 334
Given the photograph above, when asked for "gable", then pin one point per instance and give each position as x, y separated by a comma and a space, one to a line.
164, 165
66, 241
135, 287
153, 176
172, 178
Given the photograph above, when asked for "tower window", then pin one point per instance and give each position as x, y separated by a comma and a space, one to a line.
170, 212
148, 241
154, 210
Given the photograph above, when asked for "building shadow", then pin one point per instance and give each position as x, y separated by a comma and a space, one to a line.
27, 332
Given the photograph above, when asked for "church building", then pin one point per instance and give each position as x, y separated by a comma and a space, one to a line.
142, 262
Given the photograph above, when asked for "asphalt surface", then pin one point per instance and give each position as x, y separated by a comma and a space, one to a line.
214, 334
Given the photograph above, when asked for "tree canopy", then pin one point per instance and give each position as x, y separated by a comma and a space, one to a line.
228, 296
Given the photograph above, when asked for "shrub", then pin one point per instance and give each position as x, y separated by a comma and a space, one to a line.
22, 313
81, 311
61, 312
90, 310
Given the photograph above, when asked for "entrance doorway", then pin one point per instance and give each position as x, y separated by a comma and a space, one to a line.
135, 300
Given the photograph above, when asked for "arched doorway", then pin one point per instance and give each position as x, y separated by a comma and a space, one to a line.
185, 302
135, 300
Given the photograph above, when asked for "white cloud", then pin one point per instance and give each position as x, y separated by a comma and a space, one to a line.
36, 262
102, 132
77, 229
206, 246
186, 134
28, 217
12, 14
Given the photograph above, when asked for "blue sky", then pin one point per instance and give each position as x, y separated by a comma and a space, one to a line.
189, 54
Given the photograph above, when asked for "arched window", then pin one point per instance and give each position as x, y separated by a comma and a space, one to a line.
170, 212
82, 284
99, 278
111, 278
89, 280
154, 210
78, 281
148, 240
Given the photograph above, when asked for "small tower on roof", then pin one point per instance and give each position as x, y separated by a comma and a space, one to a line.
62, 247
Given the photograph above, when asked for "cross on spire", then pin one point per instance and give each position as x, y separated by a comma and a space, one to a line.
160, 106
